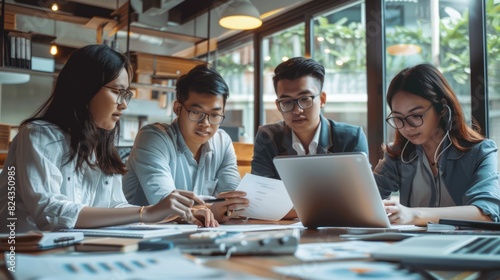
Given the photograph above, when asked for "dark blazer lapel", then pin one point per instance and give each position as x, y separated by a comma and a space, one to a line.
286, 142
324, 144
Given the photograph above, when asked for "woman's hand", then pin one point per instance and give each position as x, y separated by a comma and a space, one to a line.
234, 203
203, 214
399, 214
177, 203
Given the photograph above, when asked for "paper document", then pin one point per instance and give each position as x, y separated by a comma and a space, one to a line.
337, 250
160, 264
268, 197
348, 271
252, 227
137, 230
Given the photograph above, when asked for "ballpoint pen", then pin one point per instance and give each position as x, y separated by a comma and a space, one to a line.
212, 200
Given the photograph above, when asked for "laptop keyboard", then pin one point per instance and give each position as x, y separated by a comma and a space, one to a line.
481, 246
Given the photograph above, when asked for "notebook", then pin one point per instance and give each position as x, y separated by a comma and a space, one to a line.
34, 241
108, 244
336, 190
445, 251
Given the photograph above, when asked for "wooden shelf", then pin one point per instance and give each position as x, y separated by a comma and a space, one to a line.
26, 71
153, 87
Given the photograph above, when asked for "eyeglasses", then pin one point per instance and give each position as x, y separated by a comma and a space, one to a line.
413, 120
123, 94
286, 105
197, 116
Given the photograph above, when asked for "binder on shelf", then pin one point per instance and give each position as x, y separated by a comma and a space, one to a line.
12, 40
22, 51
17, 49
9, 52
17, 62
13, 52
28, 53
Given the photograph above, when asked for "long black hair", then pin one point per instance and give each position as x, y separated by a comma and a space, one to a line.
87, 70
426, 81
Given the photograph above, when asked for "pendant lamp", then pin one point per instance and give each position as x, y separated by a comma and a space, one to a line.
240, 15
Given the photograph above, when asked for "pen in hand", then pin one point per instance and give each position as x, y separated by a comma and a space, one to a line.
212, 200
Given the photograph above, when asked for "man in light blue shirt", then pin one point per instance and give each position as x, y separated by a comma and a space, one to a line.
191, 153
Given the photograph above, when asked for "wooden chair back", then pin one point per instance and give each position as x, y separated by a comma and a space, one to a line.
4, 142
4, 136
244, 155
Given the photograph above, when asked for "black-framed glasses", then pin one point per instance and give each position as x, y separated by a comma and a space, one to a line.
198, 116
123, 94
286, 105
415, 120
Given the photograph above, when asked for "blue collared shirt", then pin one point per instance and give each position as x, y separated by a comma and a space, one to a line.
161, 162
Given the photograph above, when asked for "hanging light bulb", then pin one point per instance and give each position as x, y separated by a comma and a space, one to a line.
54, 7
53, 49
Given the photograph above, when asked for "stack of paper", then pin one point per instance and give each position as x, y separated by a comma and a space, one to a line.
138, 265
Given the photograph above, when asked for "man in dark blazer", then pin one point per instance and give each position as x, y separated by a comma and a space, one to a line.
298, 83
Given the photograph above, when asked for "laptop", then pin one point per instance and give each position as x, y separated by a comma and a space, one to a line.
445, 251
333, 190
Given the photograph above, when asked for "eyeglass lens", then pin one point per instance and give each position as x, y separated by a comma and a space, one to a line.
197, 116
124, 95
287, 105
412, 120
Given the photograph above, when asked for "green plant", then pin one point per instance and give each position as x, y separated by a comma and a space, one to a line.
343, 47
284, 44
226, 65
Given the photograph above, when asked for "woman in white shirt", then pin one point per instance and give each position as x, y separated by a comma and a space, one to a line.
63, 170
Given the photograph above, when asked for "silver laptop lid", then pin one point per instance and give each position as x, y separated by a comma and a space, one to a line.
333, 190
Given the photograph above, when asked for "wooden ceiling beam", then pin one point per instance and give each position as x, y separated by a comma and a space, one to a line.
60, 16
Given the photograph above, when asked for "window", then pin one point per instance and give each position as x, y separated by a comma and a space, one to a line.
20, 101
493, 64
421, 32
236, 67
339, 44
277, 48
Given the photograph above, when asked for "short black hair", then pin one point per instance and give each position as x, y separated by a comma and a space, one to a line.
298, 67
201, 79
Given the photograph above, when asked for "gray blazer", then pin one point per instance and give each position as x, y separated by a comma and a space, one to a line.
276, 139
471, 178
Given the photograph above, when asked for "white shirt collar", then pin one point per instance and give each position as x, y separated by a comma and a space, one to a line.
299, 148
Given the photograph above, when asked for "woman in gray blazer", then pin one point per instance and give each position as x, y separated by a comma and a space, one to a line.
442, 167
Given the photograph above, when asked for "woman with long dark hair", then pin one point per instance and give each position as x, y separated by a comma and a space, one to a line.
442, 167
62, 169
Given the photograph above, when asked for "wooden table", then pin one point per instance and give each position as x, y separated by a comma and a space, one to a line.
262, 265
